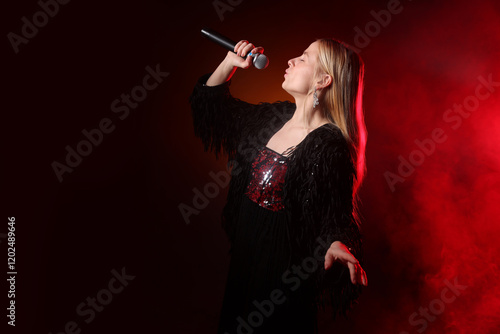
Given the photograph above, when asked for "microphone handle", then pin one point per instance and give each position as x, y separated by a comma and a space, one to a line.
219, 39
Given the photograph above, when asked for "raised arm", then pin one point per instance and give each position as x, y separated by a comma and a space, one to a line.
218, 118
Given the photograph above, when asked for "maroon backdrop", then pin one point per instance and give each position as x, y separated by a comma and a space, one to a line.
101, 243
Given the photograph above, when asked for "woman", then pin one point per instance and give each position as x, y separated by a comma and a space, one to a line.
291, 214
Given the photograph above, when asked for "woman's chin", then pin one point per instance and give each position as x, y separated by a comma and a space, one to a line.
286, 88
283, 85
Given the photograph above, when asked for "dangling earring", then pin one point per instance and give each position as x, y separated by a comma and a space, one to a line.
315, 97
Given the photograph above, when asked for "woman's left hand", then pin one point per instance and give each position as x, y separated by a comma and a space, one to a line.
339, 252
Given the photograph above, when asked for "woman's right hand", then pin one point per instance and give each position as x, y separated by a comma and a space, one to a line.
233, 60
242, 48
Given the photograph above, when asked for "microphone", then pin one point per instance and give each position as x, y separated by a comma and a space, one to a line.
260, 61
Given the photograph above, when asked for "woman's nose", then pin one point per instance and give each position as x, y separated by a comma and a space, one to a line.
290, 62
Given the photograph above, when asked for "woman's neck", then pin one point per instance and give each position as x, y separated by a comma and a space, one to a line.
306, 116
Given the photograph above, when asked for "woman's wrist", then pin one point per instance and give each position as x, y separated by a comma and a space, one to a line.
222, 74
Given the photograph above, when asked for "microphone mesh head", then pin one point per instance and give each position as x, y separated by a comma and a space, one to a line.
260, 61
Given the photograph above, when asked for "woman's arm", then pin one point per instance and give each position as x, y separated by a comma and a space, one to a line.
218, 118
335, 177
331, 213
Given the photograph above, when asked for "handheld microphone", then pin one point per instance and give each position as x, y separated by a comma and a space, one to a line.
260, 61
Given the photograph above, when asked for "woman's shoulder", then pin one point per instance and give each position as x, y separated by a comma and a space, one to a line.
270, 114
286, 106
328, 138
322, 145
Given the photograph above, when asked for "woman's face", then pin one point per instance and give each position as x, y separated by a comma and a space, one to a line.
300, 72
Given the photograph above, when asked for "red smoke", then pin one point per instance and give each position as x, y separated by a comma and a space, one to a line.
441, 219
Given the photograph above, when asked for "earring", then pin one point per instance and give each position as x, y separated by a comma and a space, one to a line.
315, 97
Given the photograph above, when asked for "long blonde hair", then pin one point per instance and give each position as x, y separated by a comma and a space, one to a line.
342, 100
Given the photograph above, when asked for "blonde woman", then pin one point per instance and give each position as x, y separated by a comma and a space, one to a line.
291, 213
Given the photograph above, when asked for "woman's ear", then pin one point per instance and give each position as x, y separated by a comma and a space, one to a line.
325, 81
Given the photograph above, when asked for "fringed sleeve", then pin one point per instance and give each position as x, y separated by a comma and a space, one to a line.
218, 117
328, 210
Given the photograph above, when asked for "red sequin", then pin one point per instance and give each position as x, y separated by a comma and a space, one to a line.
267, 179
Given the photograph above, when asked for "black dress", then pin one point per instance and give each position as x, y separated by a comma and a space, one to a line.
276, 225
258, 297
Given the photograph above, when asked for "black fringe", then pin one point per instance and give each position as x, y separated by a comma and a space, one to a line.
319, 193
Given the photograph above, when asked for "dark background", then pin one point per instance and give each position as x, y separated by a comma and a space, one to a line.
119, 208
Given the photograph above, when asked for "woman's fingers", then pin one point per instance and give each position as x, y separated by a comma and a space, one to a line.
352, 271
246, 49
358, 275
258, 49
238, 46
329, 259
243, 47
350, 258
364, 279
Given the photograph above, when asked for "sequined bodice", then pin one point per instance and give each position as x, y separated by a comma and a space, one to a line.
267, 179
